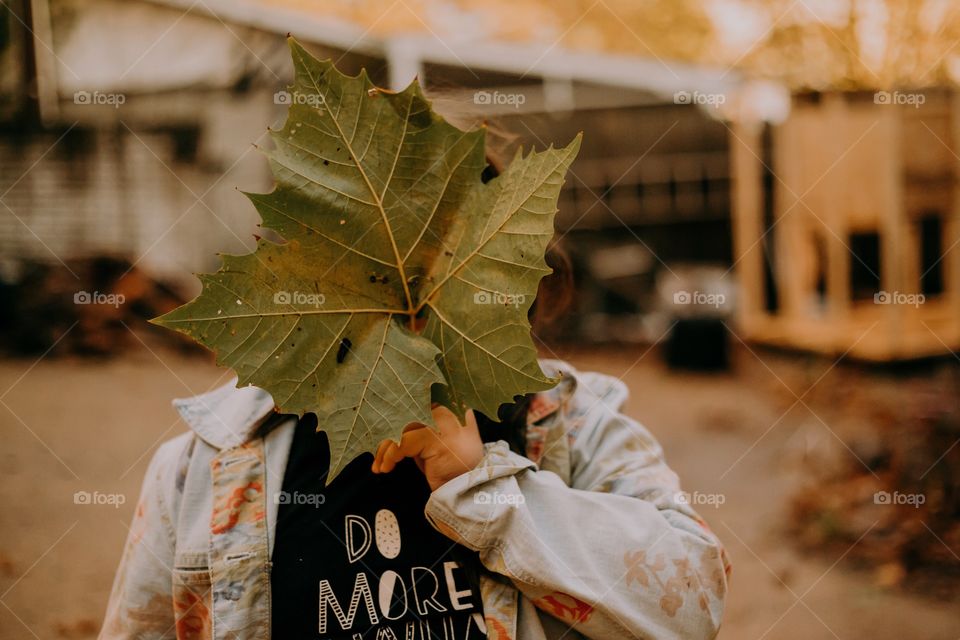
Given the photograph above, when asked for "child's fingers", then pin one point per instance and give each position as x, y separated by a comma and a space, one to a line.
389, 459
415, 442
412, 444
378, 456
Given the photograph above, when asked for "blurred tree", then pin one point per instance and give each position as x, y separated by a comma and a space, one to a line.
809, 44
850, 44
667, 29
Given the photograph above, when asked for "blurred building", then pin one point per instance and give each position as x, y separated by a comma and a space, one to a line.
846, 216
130, 126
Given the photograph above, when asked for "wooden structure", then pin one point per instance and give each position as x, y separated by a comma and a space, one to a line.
846, 225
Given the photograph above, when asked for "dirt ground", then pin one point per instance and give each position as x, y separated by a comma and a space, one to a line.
72, 425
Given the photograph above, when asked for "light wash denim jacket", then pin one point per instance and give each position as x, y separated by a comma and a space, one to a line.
590, 530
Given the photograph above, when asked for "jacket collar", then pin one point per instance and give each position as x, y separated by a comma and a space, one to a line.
546, 403
228, 417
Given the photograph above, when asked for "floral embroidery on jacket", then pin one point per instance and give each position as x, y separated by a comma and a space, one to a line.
565, 607
496, 630
192, 612
241, 503
684, 580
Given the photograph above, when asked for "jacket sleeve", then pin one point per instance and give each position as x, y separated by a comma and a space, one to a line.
619, 553
141, 601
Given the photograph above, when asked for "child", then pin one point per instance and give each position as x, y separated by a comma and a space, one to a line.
559, 520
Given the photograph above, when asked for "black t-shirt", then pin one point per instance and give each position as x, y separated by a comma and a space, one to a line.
358, 559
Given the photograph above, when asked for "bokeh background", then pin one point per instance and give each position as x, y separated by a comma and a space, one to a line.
763, 223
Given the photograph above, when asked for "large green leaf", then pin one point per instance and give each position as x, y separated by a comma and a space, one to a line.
403, 276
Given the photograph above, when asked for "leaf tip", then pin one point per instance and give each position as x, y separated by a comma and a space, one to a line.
416, 87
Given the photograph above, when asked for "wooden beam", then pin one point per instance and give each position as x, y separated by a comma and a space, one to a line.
746, 152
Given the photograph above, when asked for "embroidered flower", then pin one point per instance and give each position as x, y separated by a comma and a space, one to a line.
565, 607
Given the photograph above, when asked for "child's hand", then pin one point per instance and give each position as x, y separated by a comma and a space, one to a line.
441, 456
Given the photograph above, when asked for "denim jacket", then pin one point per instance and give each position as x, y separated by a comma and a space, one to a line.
590, 534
